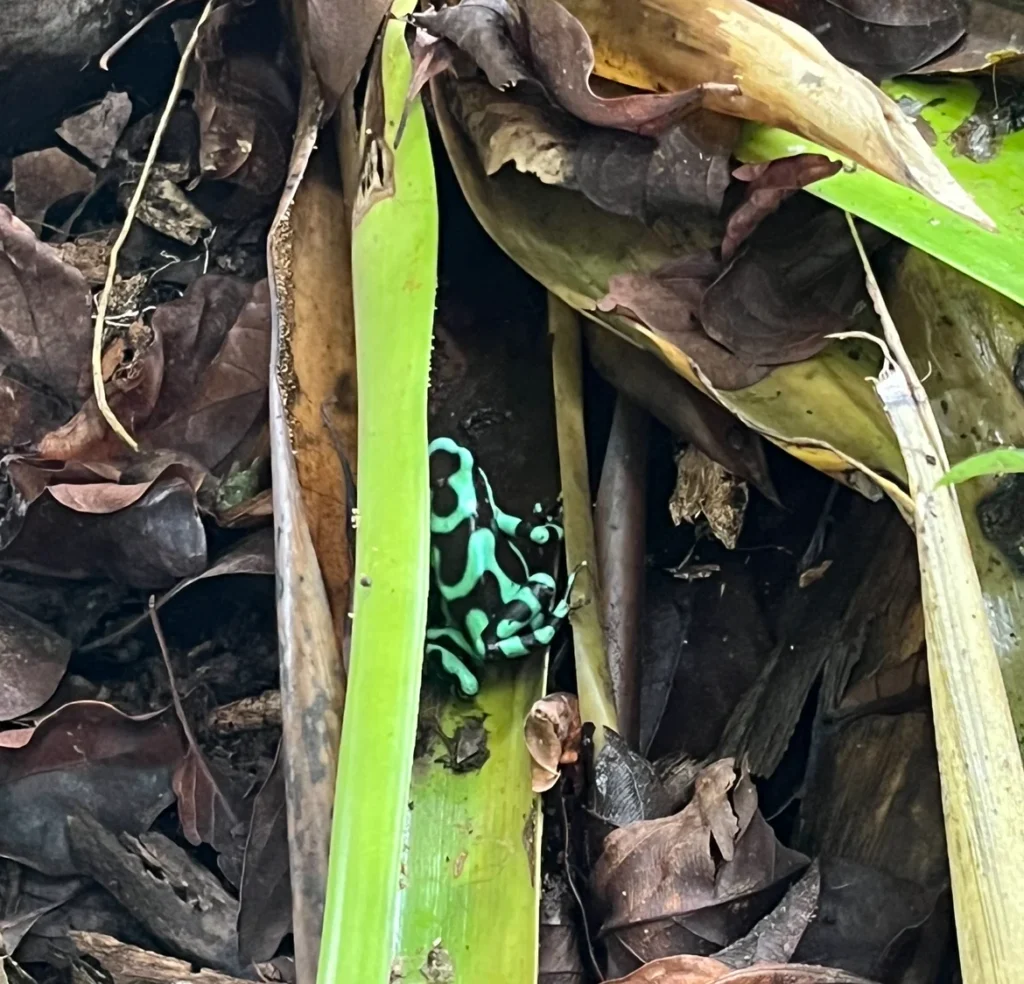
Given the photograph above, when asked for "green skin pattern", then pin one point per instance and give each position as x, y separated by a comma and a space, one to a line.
495, 608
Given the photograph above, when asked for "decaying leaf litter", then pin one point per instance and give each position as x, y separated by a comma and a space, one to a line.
761, 799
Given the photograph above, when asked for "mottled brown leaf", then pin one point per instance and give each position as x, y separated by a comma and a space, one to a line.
538, 138
217, 368
96, 131
787, 290
667, 302
553, 734
645, 178
33, 659
245, 108
879, 38
133, 371
265, 893
42, 178
768, 185
667, 890
45, 310
85, 756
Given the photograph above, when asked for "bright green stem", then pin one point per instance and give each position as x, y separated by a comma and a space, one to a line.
394, 274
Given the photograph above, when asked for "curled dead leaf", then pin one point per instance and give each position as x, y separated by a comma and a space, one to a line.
768, 185
705, 488
553, 732
665, 889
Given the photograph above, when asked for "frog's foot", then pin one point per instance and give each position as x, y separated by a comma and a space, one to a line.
464, 677
440, 645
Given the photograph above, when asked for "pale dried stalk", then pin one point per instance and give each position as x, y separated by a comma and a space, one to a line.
979, 759
98, 387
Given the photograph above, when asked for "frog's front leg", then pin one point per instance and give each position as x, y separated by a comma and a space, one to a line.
441, 645
530, 621
536, 531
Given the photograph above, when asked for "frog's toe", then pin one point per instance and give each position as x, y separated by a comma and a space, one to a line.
466, 680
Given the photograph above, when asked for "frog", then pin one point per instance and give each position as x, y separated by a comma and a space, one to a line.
491, 605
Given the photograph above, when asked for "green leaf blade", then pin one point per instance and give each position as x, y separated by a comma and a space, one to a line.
999, 461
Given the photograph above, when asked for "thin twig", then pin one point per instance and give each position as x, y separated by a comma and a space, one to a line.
161, 641
101, 313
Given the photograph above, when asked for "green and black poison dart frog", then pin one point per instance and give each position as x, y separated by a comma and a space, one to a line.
491, 605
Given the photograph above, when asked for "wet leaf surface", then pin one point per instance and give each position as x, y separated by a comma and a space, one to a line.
626, 789
85, 756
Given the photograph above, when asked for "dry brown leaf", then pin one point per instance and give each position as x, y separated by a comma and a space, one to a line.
45, 310
704, 488
554, 732
785, 76
42, 178
96, 131
666, 890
